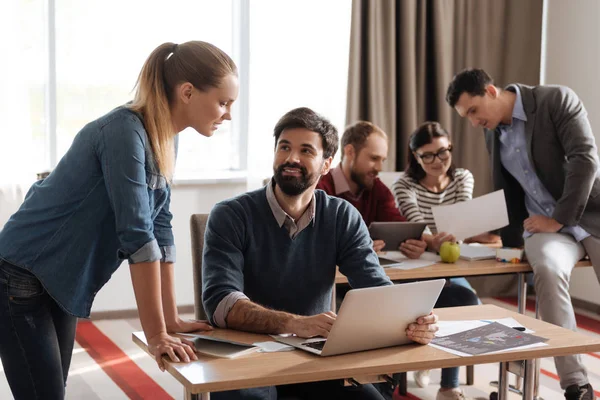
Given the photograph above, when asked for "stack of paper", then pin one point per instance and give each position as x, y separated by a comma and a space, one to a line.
472, 252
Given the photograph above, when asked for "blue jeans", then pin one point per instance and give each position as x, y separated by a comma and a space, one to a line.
462, 281
36, 336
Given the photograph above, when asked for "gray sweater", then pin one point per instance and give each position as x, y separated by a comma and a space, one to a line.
246, 251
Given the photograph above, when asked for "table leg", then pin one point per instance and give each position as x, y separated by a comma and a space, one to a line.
529, 384
522, 308
187, 395
522, 293
536, 378
402, 384
503, 381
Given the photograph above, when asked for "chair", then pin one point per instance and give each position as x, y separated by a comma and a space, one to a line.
388, 178
197, 228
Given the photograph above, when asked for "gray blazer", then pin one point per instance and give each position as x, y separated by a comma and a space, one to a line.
562, 150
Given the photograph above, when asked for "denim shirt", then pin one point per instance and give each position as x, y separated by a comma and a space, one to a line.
105, 202
514, 158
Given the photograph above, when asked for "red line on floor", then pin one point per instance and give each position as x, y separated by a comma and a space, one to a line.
117, 365
555, 377
408, 396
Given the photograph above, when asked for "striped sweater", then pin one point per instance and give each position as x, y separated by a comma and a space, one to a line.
415, 201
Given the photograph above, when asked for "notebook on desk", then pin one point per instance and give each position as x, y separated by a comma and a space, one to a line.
388, 263
218, 347
388, 259
471, 252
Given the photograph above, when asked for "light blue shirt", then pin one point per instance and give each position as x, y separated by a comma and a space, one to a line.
514, 158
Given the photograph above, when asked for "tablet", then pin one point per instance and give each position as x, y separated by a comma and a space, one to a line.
394, 233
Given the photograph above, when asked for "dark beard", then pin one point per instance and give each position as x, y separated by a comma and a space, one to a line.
359, 180
291, 185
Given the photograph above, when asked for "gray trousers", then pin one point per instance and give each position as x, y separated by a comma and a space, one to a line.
553, 257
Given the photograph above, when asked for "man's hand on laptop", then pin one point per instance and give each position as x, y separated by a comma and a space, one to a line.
311, 326
423, 329
378, 245
412, 248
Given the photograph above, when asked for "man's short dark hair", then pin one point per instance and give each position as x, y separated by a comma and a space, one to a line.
470, 81
358, 133
306, 118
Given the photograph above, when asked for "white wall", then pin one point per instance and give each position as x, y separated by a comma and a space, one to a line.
572, 58
117, 294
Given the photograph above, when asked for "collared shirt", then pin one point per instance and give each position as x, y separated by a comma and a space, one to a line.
283, 219
376, 204
515, 159
342, 187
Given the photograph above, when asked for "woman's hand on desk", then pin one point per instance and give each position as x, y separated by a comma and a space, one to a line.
177, 349
314, 325
486, 238
423, 329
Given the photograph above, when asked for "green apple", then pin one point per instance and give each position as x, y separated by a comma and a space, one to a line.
449, 252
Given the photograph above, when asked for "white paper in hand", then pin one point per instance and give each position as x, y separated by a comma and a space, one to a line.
469, 218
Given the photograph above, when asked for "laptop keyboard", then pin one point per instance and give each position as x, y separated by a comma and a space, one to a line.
315, 345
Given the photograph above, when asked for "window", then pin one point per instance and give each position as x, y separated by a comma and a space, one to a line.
100, 48
299, 58
23, 146
74, 61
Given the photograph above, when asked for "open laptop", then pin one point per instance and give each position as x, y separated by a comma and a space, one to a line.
372, 318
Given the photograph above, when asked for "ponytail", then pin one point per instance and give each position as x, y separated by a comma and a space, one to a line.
202, 64
151, 101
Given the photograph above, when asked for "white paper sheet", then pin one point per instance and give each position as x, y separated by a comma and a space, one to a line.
469, 218
425, 260
272, 347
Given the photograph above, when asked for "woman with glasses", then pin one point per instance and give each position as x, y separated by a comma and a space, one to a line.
430, 180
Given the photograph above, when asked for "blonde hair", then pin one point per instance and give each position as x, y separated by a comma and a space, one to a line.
202, 64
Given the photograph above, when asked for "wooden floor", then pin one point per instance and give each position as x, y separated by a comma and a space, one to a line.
107, 365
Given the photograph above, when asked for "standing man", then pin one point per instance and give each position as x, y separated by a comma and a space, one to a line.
544, 156
270, 255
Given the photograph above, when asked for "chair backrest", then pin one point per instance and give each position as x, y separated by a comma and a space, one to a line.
197, 228
388, 178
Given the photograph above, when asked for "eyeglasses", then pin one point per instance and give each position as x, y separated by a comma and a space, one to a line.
442, 154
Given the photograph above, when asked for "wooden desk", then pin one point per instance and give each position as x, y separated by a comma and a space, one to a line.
265, 369
460, 268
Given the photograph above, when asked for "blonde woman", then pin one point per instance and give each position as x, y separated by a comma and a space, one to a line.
107, 201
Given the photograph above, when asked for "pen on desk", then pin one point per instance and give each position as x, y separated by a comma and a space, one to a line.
519, 328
